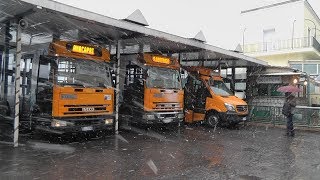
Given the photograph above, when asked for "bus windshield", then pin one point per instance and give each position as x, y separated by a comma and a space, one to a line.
163, 78
84, 73
219, 87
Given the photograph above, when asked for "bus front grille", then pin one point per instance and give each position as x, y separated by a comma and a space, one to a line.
167, 106
242, 108
86, 109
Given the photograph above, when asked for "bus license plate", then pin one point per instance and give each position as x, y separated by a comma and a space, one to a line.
167, 120
87, 128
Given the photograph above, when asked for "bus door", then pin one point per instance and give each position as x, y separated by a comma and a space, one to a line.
134, 86
196, 93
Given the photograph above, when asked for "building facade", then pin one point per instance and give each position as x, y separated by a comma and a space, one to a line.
285, 34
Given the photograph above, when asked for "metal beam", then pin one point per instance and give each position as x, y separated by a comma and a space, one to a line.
26, 13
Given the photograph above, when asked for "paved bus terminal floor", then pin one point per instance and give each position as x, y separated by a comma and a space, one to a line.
191, 152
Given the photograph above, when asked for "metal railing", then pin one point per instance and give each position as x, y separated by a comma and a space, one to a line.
288, 44
303, 116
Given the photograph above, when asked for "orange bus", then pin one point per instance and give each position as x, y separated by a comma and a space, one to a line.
208, 99
71, 89
153, 92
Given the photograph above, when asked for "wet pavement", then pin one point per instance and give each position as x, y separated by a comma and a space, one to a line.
191, 152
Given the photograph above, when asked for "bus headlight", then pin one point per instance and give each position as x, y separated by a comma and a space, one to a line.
58, 123
181, 115
230, 107
149, 116
108, 121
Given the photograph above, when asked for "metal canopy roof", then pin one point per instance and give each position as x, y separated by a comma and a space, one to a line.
49, 17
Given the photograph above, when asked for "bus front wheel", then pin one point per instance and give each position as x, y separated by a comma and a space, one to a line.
212, 119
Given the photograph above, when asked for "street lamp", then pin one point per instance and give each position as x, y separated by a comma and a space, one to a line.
293, 32
244, 30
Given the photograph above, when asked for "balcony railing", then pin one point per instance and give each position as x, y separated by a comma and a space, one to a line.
296, 43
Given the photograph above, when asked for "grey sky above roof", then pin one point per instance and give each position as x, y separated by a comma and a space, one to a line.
219, 20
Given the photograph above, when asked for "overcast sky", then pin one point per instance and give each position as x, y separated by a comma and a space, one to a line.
218, 19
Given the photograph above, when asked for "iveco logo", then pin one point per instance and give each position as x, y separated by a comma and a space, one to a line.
88, 109
158, 95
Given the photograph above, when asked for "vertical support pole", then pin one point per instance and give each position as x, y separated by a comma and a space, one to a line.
233, 80
248, 89
117, 88
309, 30
308, 90
24, 78
202, 56
4, 77
140, 48
17, 88
292, 33
244, 30
56, 37
1, 71
1, 53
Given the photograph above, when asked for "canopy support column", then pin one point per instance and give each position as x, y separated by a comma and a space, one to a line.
233, 83
117, 103
17, 88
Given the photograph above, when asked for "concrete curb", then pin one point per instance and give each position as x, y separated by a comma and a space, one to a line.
299, 128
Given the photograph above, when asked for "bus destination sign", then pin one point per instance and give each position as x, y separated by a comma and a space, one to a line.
160, 59
83, 49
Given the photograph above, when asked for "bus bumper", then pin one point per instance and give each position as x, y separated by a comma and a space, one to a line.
232, 118
74, 125
162, 117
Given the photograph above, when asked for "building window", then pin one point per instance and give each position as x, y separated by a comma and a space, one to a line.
240, 86
310, 68
296, 66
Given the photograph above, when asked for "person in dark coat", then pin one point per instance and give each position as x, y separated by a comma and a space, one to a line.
287, 110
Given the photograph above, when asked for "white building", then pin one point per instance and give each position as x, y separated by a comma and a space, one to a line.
284, 34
